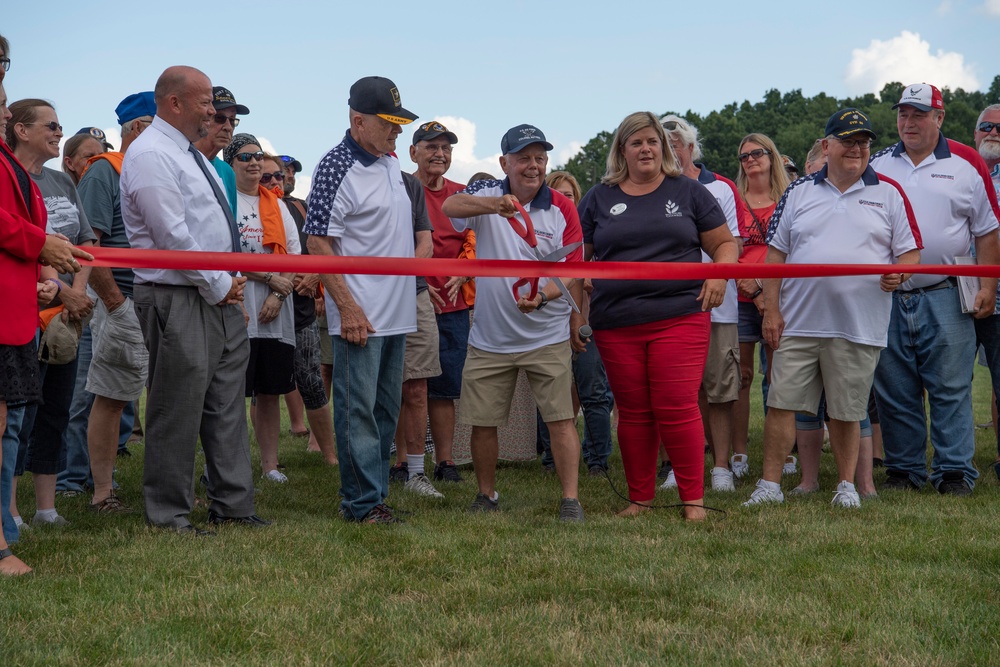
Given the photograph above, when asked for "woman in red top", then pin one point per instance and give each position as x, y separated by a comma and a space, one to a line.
761, 181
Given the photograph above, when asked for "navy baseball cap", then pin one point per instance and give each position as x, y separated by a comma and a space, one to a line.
223, 99
433, 130
519, 137
289, 161
378, 96
98, 134
135, 106
849, 121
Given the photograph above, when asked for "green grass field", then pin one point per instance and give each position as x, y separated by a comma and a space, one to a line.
909, 579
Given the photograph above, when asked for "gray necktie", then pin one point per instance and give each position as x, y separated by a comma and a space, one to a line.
223, 202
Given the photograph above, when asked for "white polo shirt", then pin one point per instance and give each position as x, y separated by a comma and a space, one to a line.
952, 196
498, 325
724, 191
360, 201
814, 223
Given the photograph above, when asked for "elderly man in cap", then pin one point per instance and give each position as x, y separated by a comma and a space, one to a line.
191, 320
828, 333
530, 333
359, 206
932, 342
117, 372
220, 135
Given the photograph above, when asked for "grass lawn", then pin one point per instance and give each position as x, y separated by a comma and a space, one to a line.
909, 579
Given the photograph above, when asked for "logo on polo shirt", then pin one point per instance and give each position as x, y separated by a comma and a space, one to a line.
874, 204
672, 210
618, 209
947, 177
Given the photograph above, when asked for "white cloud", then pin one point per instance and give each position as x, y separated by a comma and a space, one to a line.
992, 7
907, 58
945, 8
567, 153
464, 162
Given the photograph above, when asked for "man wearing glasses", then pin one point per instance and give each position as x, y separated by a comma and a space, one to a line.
220, 134
191, 320
932, 342
827, 333
987, 139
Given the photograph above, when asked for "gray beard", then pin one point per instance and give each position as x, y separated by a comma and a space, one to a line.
990, 150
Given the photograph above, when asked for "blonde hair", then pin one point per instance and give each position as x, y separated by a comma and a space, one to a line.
556, 177
778, 177
617, 169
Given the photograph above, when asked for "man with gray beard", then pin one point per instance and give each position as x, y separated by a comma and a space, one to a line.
987, 139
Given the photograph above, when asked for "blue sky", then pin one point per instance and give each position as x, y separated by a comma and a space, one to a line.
571, 68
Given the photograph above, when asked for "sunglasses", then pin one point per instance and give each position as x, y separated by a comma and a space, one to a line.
246, 157
670, 125
756, 154
5, 63
266, 177
988, 127
222, 119
53, 126
287, 158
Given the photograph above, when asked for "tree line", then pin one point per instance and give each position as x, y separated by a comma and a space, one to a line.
794, 122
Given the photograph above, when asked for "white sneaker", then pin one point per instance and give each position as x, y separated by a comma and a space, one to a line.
722, 480
670, 482
276, 476
846, 496
420, 485
764, 494
38, 520
738, 462
791, 466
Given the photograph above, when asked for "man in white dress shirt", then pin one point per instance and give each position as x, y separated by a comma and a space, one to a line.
193, 326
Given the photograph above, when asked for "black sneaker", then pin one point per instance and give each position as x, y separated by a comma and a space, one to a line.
252, 521
665, 469
953, 484
483, 504
896, 480
570, 510
596, 470
381, 514
446, 472
399, 473
549, 468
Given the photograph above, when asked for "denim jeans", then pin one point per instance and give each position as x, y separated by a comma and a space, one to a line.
597, 402
41, 448
367, 392
932, 346
15, 419
988, 335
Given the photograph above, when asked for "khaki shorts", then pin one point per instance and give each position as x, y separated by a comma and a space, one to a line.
721, 381
120, 363
489, 378
423, 356
803, 366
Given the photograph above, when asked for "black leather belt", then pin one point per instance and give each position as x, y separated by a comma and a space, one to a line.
950, 281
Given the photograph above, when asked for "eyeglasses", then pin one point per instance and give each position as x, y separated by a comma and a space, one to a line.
987, 127
850, 144
266, 177
5, 63
222, 119
756, 154
246, 157
53, 126
434, 148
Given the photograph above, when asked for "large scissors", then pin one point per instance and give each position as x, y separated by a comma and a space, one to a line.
527, 232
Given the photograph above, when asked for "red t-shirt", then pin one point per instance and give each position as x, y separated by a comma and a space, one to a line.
447, 242
754, 245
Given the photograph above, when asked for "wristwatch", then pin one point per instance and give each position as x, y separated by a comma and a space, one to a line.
279, 295
545, 301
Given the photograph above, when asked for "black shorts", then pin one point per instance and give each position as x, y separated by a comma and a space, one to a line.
271, 367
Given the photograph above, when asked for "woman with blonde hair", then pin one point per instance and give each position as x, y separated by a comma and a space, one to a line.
761, 181
653, 334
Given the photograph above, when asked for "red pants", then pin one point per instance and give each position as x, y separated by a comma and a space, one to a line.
655, 371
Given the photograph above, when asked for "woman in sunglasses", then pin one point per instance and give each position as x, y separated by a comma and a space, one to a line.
761, 181
33, 133
265, 226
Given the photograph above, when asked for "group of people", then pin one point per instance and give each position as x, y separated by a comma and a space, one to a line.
394, 353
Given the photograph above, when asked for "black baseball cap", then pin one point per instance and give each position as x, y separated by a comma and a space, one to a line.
433, 130
289, 161
98, 134
378, 96
519, 137
849, 121
223, 99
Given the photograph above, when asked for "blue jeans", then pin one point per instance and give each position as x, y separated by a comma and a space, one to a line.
597, 402
15, 419
367, 392
988, 335
932, 346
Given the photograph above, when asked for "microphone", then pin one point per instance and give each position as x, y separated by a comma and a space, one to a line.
586, 332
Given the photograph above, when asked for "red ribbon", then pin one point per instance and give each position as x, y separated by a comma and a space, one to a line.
408, 266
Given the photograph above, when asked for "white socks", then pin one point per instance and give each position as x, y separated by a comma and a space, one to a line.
415, 464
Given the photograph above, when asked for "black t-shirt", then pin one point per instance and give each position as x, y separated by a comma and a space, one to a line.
662, 226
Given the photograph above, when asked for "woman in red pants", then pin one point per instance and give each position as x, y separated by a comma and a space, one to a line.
653, 334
